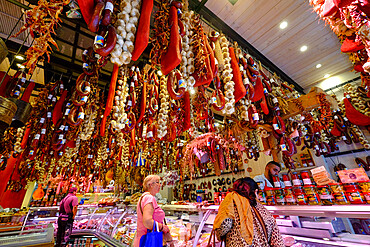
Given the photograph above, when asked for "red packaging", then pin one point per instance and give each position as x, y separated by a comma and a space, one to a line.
296, 179
286, 180
306, 178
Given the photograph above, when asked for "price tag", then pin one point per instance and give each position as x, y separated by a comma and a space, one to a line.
88, 89
156, 107
275, 100
31, 152
61, 86
344, 138
149, 134
129, 103
60, 137
265, 91
68, 105
63, 141
214, 100
85, 65
42, 120
181, 83
43, 131
283, 147
23, 79
208, 144
317, 147
50, 96
255, 117
132, 84
347, 96
217, 147
17, 93
345, 119
67, 112
48, 115
61, 127
276, 126
335, 117
54, 99
37, 137
109, 6
60, 153
81, 115
85, 52
66, 128
84, 99
127, 121
99, 40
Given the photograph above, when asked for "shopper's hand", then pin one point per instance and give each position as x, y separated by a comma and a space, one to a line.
165, 229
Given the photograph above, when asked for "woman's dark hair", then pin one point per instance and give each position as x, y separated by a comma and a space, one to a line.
246, 187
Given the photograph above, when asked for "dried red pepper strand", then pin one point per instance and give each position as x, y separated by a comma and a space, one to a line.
57, 112
172, 58
143, 28
142, 102
109, 104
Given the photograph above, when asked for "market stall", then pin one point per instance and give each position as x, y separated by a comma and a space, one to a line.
160, 90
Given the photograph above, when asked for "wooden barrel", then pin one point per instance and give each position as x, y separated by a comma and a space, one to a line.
3, 51
7, 110
22, 114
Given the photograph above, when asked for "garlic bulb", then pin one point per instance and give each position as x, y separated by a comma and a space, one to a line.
126, 26
164, 108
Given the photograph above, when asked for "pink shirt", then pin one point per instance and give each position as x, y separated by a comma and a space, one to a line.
158, 215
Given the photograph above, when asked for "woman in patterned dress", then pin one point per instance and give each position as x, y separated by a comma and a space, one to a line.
243, 221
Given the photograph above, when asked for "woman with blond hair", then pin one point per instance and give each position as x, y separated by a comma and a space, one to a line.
148, 210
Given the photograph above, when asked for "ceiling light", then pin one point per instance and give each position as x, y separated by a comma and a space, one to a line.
304, 48
159, 73
19, 57
283, 25
21, 66
326, 76
330, 82
318, 65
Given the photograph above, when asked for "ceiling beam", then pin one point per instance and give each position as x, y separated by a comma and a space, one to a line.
215, 22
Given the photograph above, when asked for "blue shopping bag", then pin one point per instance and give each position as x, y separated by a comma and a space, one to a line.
152, 238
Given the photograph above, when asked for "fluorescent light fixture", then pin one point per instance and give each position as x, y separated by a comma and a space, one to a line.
318, 65
19, 57
330, 82
21, 66
304, 48
326, 76
283, 25
159, 72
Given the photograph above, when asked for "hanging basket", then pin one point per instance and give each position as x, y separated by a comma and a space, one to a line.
23, 113
3, 51
7, 111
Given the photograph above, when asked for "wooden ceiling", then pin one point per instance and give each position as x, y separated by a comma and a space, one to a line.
258, 23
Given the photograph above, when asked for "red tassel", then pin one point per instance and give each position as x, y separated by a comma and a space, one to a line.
87, 9
239, 87
57, 112
355, 116
27, 93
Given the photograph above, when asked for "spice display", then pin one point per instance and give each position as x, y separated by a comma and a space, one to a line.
338, 193
354, 194
365, 189
306, 178
312, 195
279, 196
300, 195
296, 179
286, 180
325, 195
270, 196
289, 196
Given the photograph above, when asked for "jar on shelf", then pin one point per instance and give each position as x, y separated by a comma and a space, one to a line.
354, 194
296, 179
306, 178
300, 195
365, 189
289, 196
270, 196
337, 191
279, 196
286, 180
312, 195
262, 197
276, 180
325, 195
